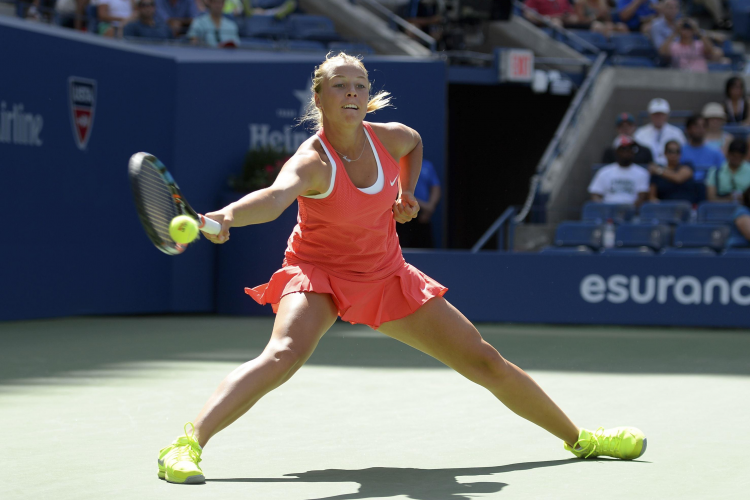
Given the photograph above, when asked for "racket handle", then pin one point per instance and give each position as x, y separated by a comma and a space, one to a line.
207, 225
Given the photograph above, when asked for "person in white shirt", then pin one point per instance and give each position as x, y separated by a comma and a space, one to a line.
623, 182
658, 133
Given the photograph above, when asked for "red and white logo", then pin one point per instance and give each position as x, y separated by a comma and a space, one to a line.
82, 99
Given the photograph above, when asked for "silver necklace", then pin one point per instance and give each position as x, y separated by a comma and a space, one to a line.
348, 160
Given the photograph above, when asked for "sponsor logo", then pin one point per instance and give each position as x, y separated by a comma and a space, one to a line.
394, 180
288, 138
82, 100
686, 290
19, 127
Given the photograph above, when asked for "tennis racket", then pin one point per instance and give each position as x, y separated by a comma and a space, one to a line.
158, 200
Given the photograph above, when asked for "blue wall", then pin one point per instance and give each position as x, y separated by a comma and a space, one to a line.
77, 246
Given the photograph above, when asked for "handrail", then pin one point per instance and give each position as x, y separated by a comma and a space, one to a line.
569, 34
424, 37
553, 147
506, 217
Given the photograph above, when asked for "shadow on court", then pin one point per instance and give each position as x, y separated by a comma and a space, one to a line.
66, 349
418, 484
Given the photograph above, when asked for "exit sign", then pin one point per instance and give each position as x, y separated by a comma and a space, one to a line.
516, 65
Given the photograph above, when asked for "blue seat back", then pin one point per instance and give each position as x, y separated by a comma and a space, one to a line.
262, 26
716, 212
634, 61
666, 212
579, 233
703, 251
353, 49
580, 250
633, 44
641, 251
306, 46
654, 236
740, 10
599, 212
712, 236
306, 27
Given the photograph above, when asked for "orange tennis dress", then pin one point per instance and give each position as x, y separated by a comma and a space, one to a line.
345, 244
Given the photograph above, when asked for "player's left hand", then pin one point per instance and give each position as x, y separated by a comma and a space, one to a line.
405, 208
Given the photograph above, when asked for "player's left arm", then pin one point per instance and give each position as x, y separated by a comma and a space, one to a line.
405, 145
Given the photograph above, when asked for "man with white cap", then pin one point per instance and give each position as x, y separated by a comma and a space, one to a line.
658, 133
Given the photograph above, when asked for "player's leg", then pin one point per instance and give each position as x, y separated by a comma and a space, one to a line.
301, 321
440, 330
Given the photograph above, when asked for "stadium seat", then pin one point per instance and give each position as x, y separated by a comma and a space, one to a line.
738, 131
740, 10
666, 212
318, 28
634, 45
637, 62
262, 26
305, 46
706, 252
716, 212
711, 236
579, 250
719, 67
653, 236
258, 43
92, 19
596, 39
353, 49
599, 212
571, 234
628, 251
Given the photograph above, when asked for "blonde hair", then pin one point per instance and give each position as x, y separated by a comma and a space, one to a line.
313, 116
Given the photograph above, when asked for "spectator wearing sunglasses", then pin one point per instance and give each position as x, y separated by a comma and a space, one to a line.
147, 25
733, 178
214, 29
673, 181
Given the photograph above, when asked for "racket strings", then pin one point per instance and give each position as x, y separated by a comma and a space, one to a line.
158, 204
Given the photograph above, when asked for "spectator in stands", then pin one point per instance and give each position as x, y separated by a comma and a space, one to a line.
696, 153
716, 118
214, 29
733, 178
666, 24
636, 14
71, 13
147, 25
596, 16
685, 51
716, 9
559, 12
418, 233
178, 14
656, 135
673, 181
736, 104
740, 234
426, 15
113, 15
623, 182
625, 124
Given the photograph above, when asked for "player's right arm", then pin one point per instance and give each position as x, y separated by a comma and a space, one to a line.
303, 174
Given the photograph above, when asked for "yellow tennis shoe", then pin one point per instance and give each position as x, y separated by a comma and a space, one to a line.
178, 462
626, 443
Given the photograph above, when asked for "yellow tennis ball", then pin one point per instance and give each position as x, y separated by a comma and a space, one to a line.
183, 229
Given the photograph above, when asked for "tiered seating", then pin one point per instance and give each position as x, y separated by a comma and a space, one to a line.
666, 228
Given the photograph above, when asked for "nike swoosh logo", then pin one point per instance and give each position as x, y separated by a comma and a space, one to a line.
394, 181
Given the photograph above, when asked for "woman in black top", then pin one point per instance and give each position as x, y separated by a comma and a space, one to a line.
675, 181
736, 104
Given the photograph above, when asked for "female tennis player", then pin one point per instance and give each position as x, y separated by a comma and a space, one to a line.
343, 259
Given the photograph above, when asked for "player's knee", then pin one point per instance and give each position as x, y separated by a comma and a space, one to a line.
286, 357
490, 368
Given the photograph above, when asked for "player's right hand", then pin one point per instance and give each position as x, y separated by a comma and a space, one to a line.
225, 217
